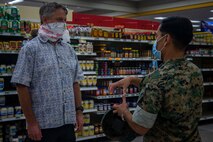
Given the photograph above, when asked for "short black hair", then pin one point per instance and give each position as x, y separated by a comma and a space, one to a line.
48, 9
180, 29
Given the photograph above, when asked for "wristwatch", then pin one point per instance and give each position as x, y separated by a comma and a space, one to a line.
79, 108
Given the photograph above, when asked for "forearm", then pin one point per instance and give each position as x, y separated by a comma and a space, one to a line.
26, 103
77, 94
135, 81
137, 128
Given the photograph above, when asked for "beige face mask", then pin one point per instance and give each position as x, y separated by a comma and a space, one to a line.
52, 31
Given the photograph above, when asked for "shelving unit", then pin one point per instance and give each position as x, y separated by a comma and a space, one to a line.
88, 88
86, 54
90, 137
207, 69
208, 83
124, 59
5, 93
89, 73
112, 96
5, 75
201, 55
110, 39
118, 76
104, 111
12, 119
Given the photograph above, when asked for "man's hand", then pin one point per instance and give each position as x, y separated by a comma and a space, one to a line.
124, 83
121, 108
34, 131
80, 121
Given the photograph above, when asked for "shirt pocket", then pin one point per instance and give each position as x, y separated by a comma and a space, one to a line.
45, 63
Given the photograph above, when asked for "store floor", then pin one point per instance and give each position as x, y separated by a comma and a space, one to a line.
206, 132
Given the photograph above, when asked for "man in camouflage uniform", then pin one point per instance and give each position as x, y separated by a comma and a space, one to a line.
170, 102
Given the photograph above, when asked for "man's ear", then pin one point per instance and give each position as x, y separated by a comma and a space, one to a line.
167, 39
44, 20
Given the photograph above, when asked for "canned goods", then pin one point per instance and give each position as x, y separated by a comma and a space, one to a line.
18, 112
1, 84
13, 130
86, 118
91, 130
10, 112
85, 131
91, 104
3, 113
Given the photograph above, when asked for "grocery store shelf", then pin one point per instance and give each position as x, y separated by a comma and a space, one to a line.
11, 34
207, 69
207, 100
110, 39
125, 59
208, 83
6, 93
132, 109
200, 43
90, 110
104, 111
113, 96
199, 55
207, 116
118, 76
88, 88
13, 53
90, 137
6, 75
86, 54
12, 119
89, 72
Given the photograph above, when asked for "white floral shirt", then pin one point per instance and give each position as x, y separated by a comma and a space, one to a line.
49, 71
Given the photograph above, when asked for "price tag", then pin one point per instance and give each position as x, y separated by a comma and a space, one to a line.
117, 59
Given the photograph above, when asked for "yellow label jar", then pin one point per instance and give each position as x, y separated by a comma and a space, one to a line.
85, 132
91, 130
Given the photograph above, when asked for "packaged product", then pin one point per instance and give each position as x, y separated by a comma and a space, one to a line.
14, 26
6, 46
4, 26
1, 46
3, 113
10, 112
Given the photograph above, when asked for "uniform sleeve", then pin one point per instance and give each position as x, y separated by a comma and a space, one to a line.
148, 106
24, 67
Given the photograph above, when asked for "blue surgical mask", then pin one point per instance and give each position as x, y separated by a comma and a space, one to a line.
155, 52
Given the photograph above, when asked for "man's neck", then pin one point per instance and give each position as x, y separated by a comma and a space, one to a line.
173, 54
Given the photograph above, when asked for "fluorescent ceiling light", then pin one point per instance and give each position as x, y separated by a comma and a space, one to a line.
195, 26
195, 21
159, 18
211, 18
211, 10
15, 1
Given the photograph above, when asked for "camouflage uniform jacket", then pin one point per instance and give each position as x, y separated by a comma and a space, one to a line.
173, 94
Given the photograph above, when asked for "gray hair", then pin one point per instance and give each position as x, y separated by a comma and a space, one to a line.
47, 10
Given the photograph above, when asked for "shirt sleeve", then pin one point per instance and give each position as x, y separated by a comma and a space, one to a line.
24, 67
79, 75
148, 105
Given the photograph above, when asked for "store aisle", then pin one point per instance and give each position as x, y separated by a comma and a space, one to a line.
206, 132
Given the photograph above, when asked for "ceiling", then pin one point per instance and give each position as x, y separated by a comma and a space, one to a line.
137, 9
